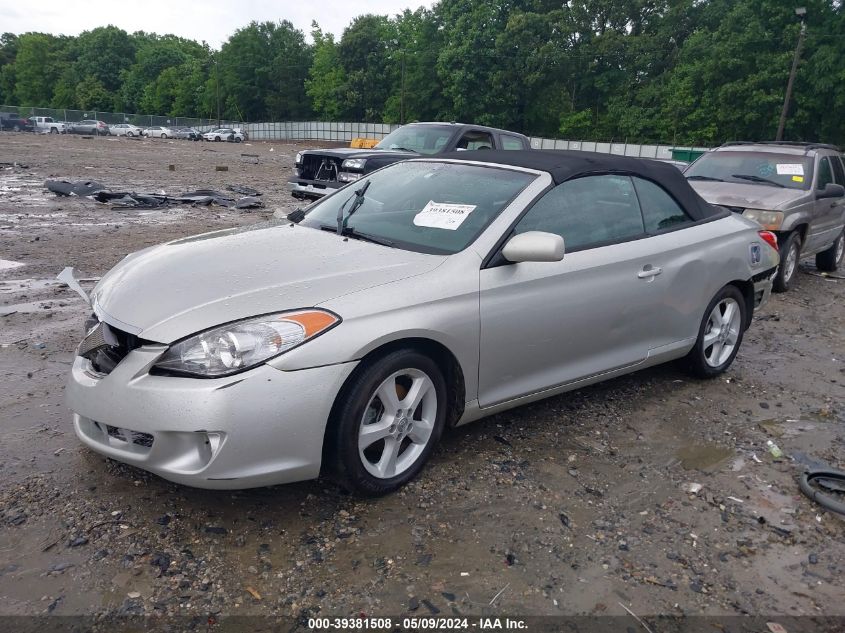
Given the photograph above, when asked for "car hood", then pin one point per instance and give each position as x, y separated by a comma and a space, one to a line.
167, 292
730, 194
350, 152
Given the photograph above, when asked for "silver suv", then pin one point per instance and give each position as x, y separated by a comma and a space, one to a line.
792, 189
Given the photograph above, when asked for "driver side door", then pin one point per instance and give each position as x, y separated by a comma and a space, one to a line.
546, 324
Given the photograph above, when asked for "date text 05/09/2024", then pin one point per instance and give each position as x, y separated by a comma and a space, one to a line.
416, 624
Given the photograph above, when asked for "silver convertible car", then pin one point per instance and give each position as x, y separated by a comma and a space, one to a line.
428, 294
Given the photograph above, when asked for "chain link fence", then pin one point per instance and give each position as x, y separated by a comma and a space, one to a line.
339, 132
112, 118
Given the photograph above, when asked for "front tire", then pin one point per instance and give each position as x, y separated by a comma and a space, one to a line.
130, 134
719, 335
831, 259
53, 130
386, 423
790, 255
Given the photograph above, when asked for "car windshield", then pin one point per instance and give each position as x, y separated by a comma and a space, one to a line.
754, 168
427, 207
423, 139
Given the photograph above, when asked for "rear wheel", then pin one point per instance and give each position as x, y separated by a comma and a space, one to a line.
130, 133
237, 139
387, 422
831, 259
53, 130
16, 128
719, 335
790, 255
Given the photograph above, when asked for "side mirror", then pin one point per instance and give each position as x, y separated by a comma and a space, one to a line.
831, 191
534, 246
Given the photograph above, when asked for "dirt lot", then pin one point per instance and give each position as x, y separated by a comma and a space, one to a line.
575, 505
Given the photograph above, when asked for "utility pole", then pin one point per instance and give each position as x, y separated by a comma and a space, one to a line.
402, 104
801, 12
217, 82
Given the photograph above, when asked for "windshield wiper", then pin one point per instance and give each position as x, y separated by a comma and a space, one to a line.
758, 179
357, 235
358, 197
352, 232
705, 178
402, 149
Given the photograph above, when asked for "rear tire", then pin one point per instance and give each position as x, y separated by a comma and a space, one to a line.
53, 130
831, 259
386, 423
790, 255
130, 134
719, 335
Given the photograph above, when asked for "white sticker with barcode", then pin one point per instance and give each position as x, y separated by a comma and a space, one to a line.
790, 169
443, 215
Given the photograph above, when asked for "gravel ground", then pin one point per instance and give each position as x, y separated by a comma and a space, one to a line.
579, 504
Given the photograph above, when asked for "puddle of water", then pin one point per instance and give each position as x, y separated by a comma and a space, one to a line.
6, 264
702, 456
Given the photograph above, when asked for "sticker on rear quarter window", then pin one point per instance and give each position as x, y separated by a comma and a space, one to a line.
790, 169
442, 215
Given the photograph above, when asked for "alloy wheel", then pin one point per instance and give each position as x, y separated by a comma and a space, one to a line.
397, 423
722, 332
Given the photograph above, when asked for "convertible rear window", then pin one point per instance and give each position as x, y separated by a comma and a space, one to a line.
426, 206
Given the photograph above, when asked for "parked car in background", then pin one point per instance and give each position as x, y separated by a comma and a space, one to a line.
159, 131
187, 133
90, 126
681, 165
317, 172
14, 123
125, 129
794, 190
223, 134
429, 294
48, 125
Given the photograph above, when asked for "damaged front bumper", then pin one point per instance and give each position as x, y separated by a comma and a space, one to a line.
258, 428
302, 188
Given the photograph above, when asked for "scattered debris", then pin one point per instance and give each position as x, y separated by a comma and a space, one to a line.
693, 488
153, 200
833, 477
774, 449
221, 168
253, 593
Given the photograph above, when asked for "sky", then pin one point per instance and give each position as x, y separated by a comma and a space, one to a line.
211, 21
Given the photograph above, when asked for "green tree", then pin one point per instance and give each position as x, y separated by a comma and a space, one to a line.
326, 77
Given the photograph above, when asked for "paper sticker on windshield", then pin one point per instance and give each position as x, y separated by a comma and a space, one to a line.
798, 179
442, 215
790, 169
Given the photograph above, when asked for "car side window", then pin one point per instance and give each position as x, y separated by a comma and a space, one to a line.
475, 140
511, 142
660, 211
825, 173
587, 211
838, 172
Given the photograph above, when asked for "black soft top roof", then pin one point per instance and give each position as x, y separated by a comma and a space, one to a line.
565, 165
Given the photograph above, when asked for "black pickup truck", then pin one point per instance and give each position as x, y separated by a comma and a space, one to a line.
15, 123
318, 172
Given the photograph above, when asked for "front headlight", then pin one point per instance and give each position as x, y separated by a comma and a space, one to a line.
238, 346
354, 163
770, 220
298, 158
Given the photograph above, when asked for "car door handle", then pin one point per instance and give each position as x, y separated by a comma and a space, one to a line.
648, 272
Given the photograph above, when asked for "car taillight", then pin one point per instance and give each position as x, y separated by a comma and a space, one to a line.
770, 238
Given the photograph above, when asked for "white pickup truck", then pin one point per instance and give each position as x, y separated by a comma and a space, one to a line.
48, 125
